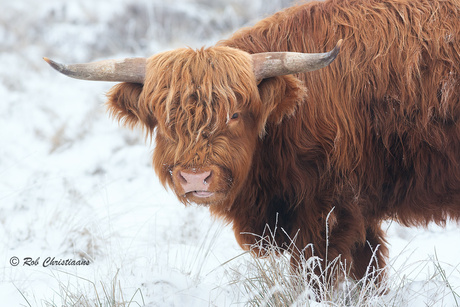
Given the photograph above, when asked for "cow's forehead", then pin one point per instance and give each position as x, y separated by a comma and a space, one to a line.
198, 90
210, 65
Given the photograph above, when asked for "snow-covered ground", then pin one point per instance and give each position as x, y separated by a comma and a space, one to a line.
74, 185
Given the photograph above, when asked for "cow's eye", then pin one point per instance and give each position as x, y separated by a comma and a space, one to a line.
235, 116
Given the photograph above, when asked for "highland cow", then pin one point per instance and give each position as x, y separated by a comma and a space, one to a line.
265, 137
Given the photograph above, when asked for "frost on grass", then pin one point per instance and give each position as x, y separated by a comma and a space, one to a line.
272, 281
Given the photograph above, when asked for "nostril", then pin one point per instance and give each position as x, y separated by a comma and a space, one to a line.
193, 177
193, 181
182, 178
207, 180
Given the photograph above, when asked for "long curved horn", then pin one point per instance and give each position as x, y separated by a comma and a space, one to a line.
124, 70
271, 64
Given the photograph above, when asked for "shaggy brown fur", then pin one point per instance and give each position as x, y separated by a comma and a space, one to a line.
374, 136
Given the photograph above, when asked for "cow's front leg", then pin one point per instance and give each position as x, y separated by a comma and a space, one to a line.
369, 258
332, 241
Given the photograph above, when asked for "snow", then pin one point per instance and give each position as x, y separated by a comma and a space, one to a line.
75, 185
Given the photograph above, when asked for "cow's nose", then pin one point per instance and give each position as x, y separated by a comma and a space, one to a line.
192, 181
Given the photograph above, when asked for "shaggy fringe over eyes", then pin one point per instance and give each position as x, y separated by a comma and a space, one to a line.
197, 91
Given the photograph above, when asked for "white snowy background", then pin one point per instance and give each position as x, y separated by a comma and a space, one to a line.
75, 185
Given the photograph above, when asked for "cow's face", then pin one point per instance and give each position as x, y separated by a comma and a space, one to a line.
209, 113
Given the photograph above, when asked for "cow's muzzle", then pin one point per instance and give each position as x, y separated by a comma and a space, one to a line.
202, 185
196, 182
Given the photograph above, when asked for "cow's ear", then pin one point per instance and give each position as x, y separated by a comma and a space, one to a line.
126, 104
280, 97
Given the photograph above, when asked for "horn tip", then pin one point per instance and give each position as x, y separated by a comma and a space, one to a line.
334, 52
55, 65
48, 60
339, 43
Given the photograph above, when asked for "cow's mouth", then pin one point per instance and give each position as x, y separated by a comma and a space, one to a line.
205, 198
202, 194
